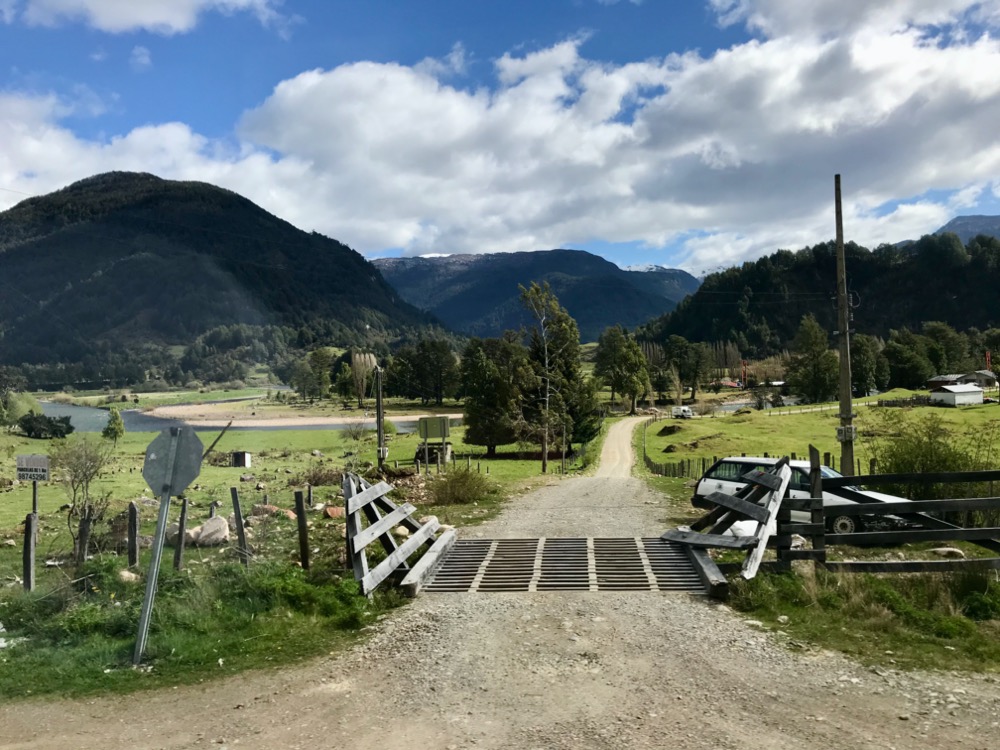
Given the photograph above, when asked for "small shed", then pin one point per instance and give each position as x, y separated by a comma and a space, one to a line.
982, 378
957, 395
240, 459
941, 380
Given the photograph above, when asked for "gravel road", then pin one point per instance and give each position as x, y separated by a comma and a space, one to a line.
547, 670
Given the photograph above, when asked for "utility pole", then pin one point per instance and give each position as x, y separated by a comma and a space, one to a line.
846, 431
380, 419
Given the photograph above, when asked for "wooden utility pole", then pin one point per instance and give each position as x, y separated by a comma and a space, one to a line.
845, 434
380, 418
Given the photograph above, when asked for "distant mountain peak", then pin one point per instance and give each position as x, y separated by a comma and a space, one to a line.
967, 227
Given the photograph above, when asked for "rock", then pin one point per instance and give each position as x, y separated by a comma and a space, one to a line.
172, 533
260, 486
317, 453
424, 520
446, 527
401, 532
9, 543
798, 542
247, 477
331, 511
951, 552
213, 533
127, 576
783, 619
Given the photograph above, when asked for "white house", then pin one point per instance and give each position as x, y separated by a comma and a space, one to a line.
957, 395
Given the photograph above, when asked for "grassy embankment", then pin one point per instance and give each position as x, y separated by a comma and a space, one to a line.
212, 619
908, 621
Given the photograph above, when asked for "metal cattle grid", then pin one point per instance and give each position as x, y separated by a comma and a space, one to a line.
549, 564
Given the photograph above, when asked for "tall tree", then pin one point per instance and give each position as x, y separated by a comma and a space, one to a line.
813, 369
496, 373
565, 401
620, 362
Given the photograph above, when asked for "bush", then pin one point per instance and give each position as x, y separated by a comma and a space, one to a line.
462, 487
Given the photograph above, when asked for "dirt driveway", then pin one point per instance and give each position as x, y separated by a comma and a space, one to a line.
546, 670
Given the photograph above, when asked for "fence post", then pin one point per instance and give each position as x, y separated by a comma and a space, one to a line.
30, 529
873, 464
309, 495
241, 534
300, 517
133, 534
826, 458
816, 515
181, 536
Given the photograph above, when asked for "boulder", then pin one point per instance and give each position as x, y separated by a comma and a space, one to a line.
424, 520
213, 533
127, 576
401, 532
260, 486
247, 477
317, 453
950, 552
172, 533
265, 510
333, 511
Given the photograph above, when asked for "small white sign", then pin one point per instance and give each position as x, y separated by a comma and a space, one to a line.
33, 468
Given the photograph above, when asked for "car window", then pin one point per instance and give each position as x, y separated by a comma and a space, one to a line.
727, 471
800, 480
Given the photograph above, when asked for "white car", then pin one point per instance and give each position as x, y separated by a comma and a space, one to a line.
726, 475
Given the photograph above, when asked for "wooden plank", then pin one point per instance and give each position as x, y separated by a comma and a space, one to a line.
755, 558
387, 506
709, 519
806, 554
382, 526
914, 535
242, 549
914, 506
382, 571
802, 529
695, 539
802, 503
711, 577
358, 560
426, 565
362, 498
941, 477
744, 508
763, 479
915, 566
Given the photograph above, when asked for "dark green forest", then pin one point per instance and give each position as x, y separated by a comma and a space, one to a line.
104, 280
760, 305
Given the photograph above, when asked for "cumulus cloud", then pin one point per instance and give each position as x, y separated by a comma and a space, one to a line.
7, 11
705, 159
159, 16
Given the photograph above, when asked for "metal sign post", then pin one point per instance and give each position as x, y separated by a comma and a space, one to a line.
173, 460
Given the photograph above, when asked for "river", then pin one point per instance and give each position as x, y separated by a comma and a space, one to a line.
91, 419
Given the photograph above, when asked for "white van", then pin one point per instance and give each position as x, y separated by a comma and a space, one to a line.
726, 475
681, 412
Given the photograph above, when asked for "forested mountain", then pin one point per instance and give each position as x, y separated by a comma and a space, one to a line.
967, 227
107, 272
478, 294
760, 304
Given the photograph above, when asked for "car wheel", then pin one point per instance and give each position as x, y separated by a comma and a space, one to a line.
845, 525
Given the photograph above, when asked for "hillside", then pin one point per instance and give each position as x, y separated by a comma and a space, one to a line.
126, 261
478, 294
967, 227
759, 305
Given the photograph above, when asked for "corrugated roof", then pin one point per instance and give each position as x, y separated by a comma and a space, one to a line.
963, 388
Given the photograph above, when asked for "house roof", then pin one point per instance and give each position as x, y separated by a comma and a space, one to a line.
964, 388
987, 373
943, 378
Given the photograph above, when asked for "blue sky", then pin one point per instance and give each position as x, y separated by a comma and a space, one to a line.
694, 134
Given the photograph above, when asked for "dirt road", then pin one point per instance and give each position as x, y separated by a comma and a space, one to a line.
546, 670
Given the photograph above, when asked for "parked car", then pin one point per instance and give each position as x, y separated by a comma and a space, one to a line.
681, 412
726, 475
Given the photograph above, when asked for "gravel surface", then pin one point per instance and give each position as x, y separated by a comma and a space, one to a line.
548, 670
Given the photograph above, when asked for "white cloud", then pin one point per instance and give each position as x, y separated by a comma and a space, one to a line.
8, 10
141, 58
720, 158
159, 16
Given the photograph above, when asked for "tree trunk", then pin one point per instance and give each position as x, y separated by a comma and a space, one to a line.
83, 535
545, 450
491, 451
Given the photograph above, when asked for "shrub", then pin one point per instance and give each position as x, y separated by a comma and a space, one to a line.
461, 487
